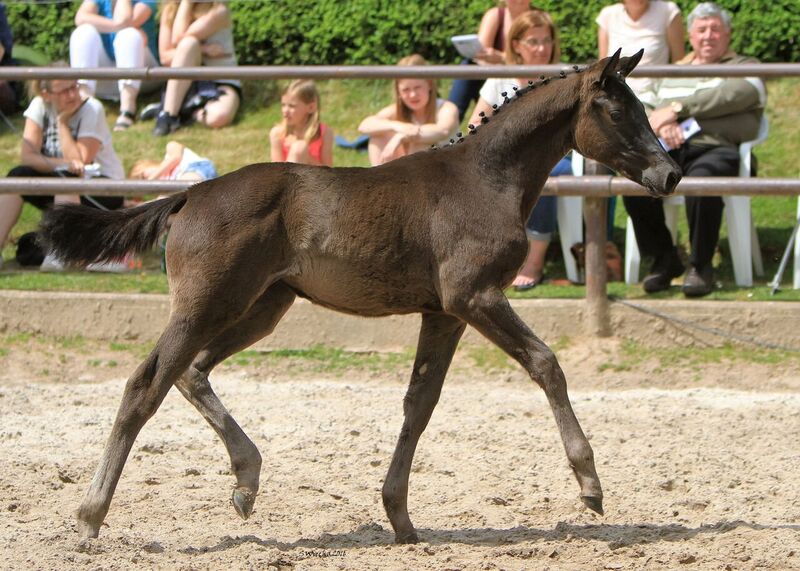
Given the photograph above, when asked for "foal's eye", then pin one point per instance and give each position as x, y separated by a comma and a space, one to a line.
616, 115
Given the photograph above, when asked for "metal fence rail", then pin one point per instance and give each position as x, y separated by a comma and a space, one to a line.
601, 186
385, 71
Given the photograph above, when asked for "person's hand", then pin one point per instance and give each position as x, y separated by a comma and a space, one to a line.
213, 50
66, 114
73, 166
672, 134
489, 56
661, 117
409, 130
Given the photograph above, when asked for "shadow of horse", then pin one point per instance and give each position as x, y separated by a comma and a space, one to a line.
616, 536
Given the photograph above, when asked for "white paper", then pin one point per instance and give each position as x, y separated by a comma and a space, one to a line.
467, 45
689, 127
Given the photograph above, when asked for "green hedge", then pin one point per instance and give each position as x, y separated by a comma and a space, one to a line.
319, 32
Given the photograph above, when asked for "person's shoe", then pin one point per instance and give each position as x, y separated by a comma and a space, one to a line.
665, 268
698, 282
165, 124
150, 112
51, 264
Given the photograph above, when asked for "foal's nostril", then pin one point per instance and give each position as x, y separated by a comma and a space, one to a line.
672, 181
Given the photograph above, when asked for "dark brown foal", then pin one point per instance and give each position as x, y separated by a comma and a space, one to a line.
438, 233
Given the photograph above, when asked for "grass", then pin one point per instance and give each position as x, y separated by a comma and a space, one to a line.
344, 104
633, 356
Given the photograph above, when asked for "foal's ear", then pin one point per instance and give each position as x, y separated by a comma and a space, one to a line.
627, 64
610, 68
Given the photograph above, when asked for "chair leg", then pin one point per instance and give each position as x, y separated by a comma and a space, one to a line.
737, 215
570, 231
632, 255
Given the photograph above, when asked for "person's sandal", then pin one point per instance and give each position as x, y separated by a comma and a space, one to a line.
124, 121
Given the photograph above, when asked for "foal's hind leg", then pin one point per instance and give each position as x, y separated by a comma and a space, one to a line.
259, 322
438, 339
143, 394
490, 313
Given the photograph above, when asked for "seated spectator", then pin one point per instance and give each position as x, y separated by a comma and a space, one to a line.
416, 120
653, 25
192, 34
10, 91
728, 111
492, 33
180, 163
64, 134
532, 40
115, 33
300, 137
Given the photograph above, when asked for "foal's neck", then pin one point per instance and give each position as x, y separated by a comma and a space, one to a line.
522, 143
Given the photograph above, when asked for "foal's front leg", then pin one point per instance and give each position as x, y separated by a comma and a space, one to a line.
438, 339
490, 313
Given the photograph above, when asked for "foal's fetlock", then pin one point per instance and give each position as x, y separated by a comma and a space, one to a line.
243, 500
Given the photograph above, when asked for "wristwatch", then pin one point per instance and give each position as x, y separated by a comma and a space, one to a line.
676, 107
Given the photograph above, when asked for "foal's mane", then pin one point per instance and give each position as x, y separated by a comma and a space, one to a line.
510, 99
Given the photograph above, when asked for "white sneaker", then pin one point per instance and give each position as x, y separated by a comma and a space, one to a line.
108, 267
51, 264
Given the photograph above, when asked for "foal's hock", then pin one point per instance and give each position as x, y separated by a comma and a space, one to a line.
438, 233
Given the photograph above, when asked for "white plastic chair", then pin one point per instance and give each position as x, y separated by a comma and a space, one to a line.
742, 235
570, 223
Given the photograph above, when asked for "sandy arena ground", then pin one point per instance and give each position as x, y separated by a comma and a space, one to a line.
699, 465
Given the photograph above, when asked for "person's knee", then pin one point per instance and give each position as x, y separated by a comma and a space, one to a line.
128, 39
217, 117
84, 33
188, 44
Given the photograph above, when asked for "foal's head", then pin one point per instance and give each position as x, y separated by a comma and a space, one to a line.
612, 128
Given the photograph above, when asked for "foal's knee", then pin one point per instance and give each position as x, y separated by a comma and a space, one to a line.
545, 369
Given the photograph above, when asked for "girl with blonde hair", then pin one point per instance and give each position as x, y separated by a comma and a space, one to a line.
417, 119
301, 137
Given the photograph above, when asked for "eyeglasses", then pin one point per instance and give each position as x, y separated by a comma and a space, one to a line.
73, 87
535, 43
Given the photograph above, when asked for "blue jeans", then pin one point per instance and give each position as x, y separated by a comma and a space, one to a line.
464, 92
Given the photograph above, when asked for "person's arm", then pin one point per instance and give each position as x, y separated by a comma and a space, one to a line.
487, 32
732, 95
446, 123
140, 14
210, 23
31, 154
383, 121
183, 19
327, 148
677, 47
172, 157
275, 148
602, 42
166, 47
88, 14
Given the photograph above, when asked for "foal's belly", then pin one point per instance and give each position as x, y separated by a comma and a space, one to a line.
364, 289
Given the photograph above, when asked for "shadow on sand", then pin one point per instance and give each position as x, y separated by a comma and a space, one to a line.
616, 536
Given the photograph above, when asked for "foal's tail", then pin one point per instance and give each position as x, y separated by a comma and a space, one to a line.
82, 235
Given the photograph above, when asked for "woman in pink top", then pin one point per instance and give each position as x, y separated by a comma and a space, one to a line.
654, 25
300, 137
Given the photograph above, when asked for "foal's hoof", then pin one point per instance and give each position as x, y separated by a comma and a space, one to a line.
243, 500
593, 503
405, 538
